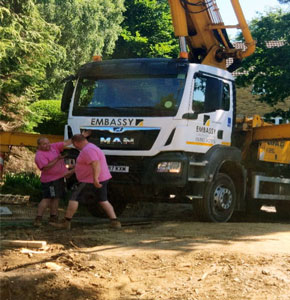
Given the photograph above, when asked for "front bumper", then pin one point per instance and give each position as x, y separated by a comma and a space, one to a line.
143, 170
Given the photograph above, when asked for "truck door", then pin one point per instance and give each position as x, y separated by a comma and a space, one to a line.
213, 109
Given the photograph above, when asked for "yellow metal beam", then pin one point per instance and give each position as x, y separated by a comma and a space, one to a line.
8, 139
221, 26
251, 44
275, 132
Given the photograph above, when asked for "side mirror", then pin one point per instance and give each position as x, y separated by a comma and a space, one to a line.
66, 96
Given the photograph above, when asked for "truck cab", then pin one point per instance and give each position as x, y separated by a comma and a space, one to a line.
165, 126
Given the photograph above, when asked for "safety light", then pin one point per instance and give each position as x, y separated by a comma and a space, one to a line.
97, 58
169, 167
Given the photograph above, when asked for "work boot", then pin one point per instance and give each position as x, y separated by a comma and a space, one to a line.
63, 224
115, 224
38, 221
53, 219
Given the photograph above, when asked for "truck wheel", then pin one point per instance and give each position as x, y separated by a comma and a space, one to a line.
283, 210
116, 199
219, 200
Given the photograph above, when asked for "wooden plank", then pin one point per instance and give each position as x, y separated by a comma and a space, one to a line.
21, 243
13, 199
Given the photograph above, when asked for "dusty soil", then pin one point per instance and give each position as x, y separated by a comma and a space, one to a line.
172, 257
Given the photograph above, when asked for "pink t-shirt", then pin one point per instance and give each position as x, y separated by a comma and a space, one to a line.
42, 158
83, 168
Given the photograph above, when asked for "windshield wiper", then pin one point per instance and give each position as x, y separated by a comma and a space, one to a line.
135, 107
103, 107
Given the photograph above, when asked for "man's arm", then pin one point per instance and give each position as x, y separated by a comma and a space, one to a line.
69, 173
52, 163
96, 172
85, 133
67, 143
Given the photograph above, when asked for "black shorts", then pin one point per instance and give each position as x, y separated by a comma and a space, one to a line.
88, 193
53, 189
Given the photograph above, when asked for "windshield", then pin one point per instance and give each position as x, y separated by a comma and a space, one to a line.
138, 96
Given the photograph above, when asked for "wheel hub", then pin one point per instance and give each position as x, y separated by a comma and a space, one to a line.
222, 198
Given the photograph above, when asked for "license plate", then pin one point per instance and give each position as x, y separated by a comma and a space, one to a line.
119, 169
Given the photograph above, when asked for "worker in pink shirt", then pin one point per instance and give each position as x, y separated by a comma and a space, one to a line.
50, 162
93, 175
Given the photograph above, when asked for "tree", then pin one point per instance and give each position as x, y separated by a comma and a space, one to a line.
46, 117
268, 69
147, 31
87, 27
284, 1
27, 47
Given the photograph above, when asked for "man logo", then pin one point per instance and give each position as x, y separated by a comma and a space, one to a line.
116, 141
118, 129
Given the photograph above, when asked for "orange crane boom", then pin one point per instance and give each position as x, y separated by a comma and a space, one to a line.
199, 23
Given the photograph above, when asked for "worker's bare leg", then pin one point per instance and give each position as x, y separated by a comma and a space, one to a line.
43, 204
108, 208
71, 209
54, 206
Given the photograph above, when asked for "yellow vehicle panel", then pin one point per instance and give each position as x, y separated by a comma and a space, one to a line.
8, 139
274, 151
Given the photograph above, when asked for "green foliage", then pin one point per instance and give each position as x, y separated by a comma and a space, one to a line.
285, 115
147, 31
27, 47
22, 184
46, 117
87, 27
268, 69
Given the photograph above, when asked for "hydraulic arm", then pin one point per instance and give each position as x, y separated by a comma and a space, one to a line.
199, 25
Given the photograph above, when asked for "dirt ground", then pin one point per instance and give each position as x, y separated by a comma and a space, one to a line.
168, 255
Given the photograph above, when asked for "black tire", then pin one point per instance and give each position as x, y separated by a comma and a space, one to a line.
218, 202
283, 209
116, 199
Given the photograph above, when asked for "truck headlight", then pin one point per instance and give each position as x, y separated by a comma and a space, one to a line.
169, 167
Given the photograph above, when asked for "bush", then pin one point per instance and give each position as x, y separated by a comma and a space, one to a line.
284, 115
46, 117
22, 184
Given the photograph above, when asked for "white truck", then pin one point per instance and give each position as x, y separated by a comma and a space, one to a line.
168, 126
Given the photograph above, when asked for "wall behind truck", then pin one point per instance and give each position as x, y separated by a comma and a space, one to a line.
248, 104
20, 159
